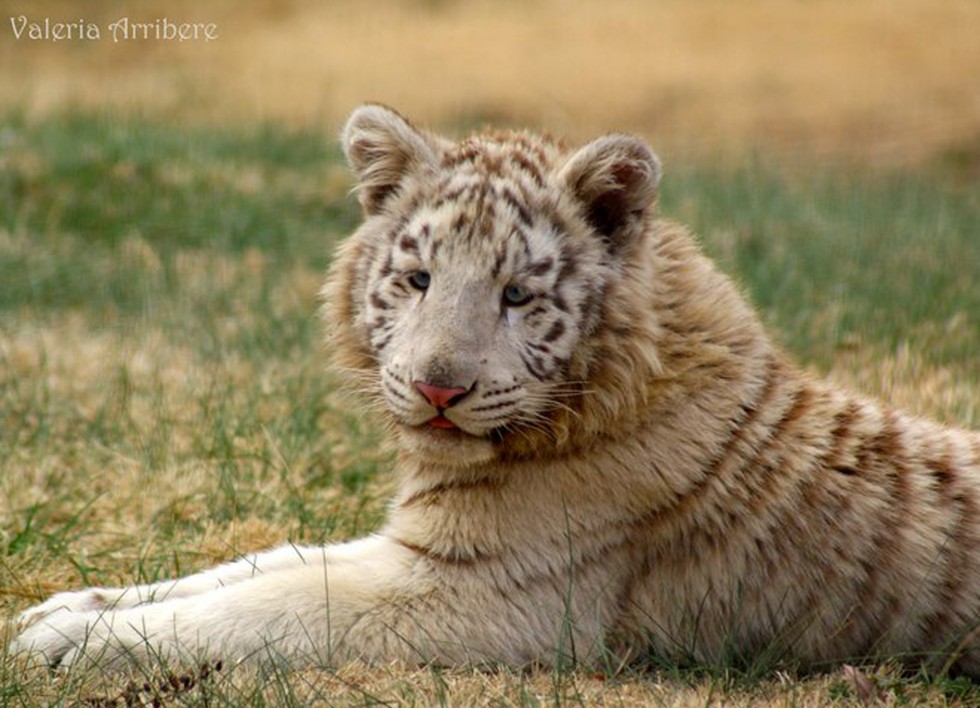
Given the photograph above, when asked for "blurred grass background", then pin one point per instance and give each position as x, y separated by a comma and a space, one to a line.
167, 211
888, 80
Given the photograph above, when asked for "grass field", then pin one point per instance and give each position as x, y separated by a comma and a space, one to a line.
164, 403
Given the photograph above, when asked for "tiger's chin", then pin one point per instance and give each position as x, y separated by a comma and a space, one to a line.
453, 447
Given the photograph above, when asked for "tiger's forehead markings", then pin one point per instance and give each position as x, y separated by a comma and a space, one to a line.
484, 234
409, 244
469, 211
485, 207
486, 176
509, 155
518, 205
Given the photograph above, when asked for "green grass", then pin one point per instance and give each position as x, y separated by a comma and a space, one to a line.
832, 256
164, 403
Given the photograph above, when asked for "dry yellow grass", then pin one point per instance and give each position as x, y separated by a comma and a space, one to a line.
359, 685
888, 80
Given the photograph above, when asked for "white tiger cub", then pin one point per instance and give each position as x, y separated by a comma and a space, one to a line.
601, 452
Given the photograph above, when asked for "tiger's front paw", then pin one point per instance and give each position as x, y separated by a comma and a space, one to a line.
56, 634
68, 625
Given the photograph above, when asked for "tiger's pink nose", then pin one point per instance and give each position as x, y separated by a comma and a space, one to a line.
440, 396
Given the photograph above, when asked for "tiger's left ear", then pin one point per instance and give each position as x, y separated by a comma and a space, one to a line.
384, 150
615, 178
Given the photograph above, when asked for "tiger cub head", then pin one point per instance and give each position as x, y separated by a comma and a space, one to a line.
470, 298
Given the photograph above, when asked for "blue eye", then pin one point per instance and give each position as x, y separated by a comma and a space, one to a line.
420, 279
516, 296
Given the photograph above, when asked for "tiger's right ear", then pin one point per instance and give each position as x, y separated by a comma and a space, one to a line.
383, 148
616, 178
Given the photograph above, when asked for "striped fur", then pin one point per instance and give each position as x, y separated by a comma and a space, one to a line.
617, 459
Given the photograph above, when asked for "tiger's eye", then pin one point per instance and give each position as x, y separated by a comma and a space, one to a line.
515, 295
420, 279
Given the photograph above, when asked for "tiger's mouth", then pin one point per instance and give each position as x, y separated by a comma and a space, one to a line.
441, 422
440, 429
446, 443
